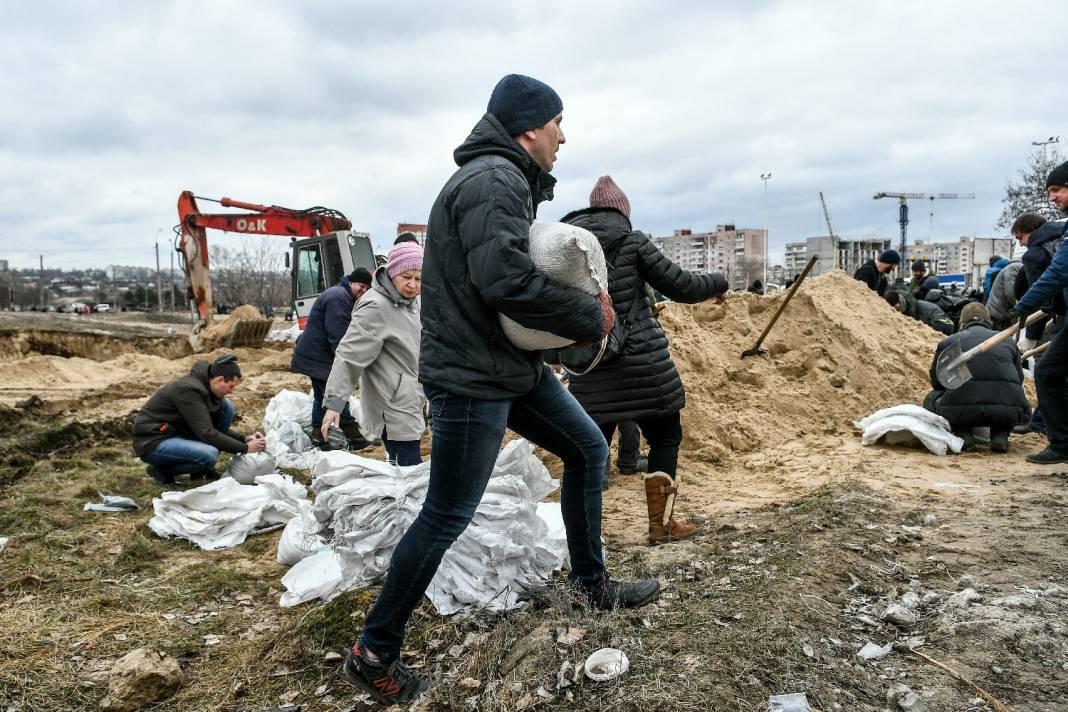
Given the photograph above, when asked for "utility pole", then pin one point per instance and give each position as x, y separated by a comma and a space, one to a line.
172, 281
1043, 144
40, 283
765, 177
159, 283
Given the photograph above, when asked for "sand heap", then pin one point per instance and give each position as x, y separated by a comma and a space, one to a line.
838, 353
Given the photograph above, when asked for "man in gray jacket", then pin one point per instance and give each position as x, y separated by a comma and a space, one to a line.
479, 384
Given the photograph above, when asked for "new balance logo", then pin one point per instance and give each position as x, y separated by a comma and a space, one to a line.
386, 685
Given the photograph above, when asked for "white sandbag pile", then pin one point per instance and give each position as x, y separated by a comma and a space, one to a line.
368, 505
909, 424
568, 255
223, 513
287, 417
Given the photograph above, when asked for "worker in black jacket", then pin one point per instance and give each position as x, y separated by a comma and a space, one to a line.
994, 397
186, 424
642, 383
921, 310
873, 272
476, 267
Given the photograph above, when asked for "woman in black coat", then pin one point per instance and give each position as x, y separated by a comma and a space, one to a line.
642, 384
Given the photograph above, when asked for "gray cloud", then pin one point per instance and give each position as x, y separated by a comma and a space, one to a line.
113, 108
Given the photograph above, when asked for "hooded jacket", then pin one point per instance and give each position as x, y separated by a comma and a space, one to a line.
994, 396
380, 349
991, 275
329, 319
643, 381
476, 266
870, 275
185, 408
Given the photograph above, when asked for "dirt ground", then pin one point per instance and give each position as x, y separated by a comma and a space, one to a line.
807, 539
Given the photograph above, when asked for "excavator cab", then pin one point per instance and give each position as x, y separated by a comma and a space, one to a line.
320, 262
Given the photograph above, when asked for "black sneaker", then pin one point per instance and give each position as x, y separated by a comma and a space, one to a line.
624, 594
999, 440
388, 684
158, 476
1047, 457
642, 465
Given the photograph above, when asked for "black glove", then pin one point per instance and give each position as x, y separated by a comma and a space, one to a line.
1023, 322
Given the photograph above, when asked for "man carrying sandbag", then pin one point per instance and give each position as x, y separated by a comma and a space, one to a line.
476, 267
186, 423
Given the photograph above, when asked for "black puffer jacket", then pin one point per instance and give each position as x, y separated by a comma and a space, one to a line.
994, 396
477, 265
643, 381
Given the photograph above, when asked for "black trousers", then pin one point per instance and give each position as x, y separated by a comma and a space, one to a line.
664, 435
1051, 382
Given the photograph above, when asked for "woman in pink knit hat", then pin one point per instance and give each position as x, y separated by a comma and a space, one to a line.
381, 351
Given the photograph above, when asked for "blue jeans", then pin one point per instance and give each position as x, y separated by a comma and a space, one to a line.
401, 452
467, 435
180, 456
318, 392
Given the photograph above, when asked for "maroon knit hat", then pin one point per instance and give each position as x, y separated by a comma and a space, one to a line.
606, 194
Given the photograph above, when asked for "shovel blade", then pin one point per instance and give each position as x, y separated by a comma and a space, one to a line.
755, 351
952, 370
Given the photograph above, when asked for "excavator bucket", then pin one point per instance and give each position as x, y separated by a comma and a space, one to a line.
244, 328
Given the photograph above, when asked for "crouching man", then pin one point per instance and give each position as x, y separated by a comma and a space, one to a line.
184, 426
994, 397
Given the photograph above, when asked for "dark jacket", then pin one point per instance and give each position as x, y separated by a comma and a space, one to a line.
643, 382
916, 285
991, 275
994, 396
329, 319
932, 315
872, 277
1051, 285
184, 408
1041, 247
477, 266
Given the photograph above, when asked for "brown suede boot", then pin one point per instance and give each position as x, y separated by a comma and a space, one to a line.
660, 491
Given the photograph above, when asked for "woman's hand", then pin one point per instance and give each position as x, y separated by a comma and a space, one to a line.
330, 418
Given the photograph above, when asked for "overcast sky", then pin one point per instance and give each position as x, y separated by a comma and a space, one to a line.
112, 108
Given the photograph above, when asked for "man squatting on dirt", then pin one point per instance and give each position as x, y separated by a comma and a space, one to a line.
186, 423
478, 384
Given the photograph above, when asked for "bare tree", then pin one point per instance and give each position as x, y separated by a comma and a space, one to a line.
1028, 194
250, 272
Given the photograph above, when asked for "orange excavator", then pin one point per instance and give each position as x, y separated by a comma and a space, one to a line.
322, 247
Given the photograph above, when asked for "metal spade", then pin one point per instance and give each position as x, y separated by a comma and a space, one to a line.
952, 365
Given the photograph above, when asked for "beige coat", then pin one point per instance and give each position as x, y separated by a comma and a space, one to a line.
381, 350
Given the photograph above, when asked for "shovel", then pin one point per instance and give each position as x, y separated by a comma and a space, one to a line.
952, 366
756, 350
1035, 351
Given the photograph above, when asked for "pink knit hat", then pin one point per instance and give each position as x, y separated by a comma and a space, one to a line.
606, 194
403, 257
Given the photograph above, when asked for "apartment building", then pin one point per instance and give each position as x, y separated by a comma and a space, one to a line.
736, 252
851, 254
416, 229
969, 256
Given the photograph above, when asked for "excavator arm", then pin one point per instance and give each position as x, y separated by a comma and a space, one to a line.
263, 220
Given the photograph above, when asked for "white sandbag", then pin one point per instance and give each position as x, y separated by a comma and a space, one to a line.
223, 513
287, 437
246, 468
285, 406
904, 409
907, 425
568, 255
317, 576
300, 538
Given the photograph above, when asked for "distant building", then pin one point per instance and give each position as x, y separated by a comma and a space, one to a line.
3, 266
418, 230
969, 256
736, 252
851, 254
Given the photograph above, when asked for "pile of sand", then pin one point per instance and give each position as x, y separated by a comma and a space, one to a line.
215, 336
838, 353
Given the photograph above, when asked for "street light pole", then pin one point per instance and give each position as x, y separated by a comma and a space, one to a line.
765, 177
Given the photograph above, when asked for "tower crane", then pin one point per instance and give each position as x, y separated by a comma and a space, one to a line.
903, 213
830, 230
